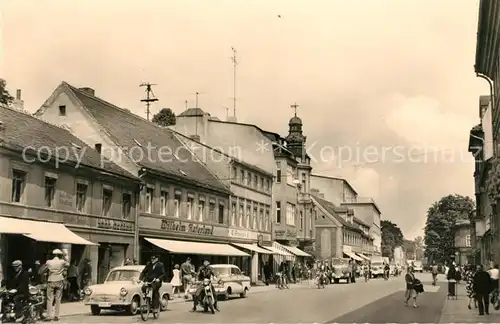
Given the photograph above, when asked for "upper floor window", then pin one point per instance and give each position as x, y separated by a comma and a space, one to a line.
18, 185
62, 110
149, 200
268, 185
190, 206
278, 172
278, 212
211, 211
242, 176
468, 240
81, 196
266, 221
241, 216
221, 214
164, 203
249, 215
50, 191
126, 205
234, 174
255, 181
290, 174
177, 205
262, 184
261, 220
304, 179
107, 196
254, 220
249, 179
201, 210
301, 220
233, 214
290, 214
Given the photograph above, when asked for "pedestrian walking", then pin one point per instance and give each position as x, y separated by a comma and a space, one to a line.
452, 281
176, 281
482, 289
86, 274
469, 285
435, 272
187, 271
494, 275
73, 281
411, 291
56, 268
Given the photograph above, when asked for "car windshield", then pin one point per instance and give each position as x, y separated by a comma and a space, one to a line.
221, 271
376, 264
123, 275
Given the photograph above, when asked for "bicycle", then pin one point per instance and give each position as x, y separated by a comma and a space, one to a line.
147, 304
281, 282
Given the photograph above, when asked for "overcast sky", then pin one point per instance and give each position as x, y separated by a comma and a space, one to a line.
370, 76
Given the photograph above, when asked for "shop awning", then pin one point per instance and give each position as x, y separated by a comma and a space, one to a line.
353, 256
252, 247
41, 231
184, 247
278, 252
297, 251
363, 256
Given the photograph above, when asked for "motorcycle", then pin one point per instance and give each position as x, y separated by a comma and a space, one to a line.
321, 281
33, 307
208, 296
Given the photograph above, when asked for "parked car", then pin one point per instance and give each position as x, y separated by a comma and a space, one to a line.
122, 291
377, 269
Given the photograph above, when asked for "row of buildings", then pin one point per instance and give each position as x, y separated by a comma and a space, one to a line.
104, 184
484, 140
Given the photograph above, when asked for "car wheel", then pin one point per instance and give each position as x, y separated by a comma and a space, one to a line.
164, 302
95, 310
134, 306
244, 293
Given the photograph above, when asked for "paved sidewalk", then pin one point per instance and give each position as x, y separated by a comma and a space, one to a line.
78, 308
456, 311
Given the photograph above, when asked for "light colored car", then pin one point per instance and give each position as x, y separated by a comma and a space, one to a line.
122, 291
231, 281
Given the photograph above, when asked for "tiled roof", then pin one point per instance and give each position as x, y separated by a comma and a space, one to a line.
192, 112
25, 131
330, 208
144, 139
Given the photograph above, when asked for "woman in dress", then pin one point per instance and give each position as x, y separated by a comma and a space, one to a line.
469, 277
176, 281
410, 287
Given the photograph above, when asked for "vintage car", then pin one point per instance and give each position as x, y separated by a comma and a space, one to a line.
231, 281
377, 268
342, 270
122, 291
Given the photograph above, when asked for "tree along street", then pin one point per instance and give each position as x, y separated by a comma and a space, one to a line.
374, 301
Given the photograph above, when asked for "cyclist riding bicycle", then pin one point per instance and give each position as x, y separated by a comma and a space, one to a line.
154, 272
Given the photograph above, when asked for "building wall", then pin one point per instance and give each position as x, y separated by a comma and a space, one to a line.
89, 224
334, 190
369, 214
463, 237
285, 193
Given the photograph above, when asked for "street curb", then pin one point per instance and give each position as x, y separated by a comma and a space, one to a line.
180, 301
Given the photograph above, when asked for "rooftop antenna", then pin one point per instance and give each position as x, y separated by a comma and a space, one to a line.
295, 106
150, 97
227, 112
235, 63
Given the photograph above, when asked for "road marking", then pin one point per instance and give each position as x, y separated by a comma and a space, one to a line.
430, 288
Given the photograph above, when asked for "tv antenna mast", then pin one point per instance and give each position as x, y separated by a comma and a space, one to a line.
235, 63
150, 97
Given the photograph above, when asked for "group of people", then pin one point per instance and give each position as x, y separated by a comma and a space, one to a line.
57, 273
482, 287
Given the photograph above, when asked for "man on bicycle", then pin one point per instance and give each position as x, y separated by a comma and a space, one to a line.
205, 272
153, 273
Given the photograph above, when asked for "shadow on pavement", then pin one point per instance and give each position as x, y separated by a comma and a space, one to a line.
391, 309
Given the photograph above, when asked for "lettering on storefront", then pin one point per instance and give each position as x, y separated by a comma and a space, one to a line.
65, 199
240, 234
115, 225
286, 234
178, 226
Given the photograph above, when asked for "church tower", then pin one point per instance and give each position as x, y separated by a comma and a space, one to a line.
296, 139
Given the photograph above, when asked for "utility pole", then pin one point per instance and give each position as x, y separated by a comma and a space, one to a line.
235, 63
150, 97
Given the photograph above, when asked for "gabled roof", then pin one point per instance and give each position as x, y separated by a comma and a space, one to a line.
331, 210
24, 131
335, 178
143, 139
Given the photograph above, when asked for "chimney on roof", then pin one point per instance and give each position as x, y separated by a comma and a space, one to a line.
88, 90
231, 119
98, 148
18, 103
196, 138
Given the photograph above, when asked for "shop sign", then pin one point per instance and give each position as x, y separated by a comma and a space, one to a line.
116, 225
285, 234
243, 234
178, 226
